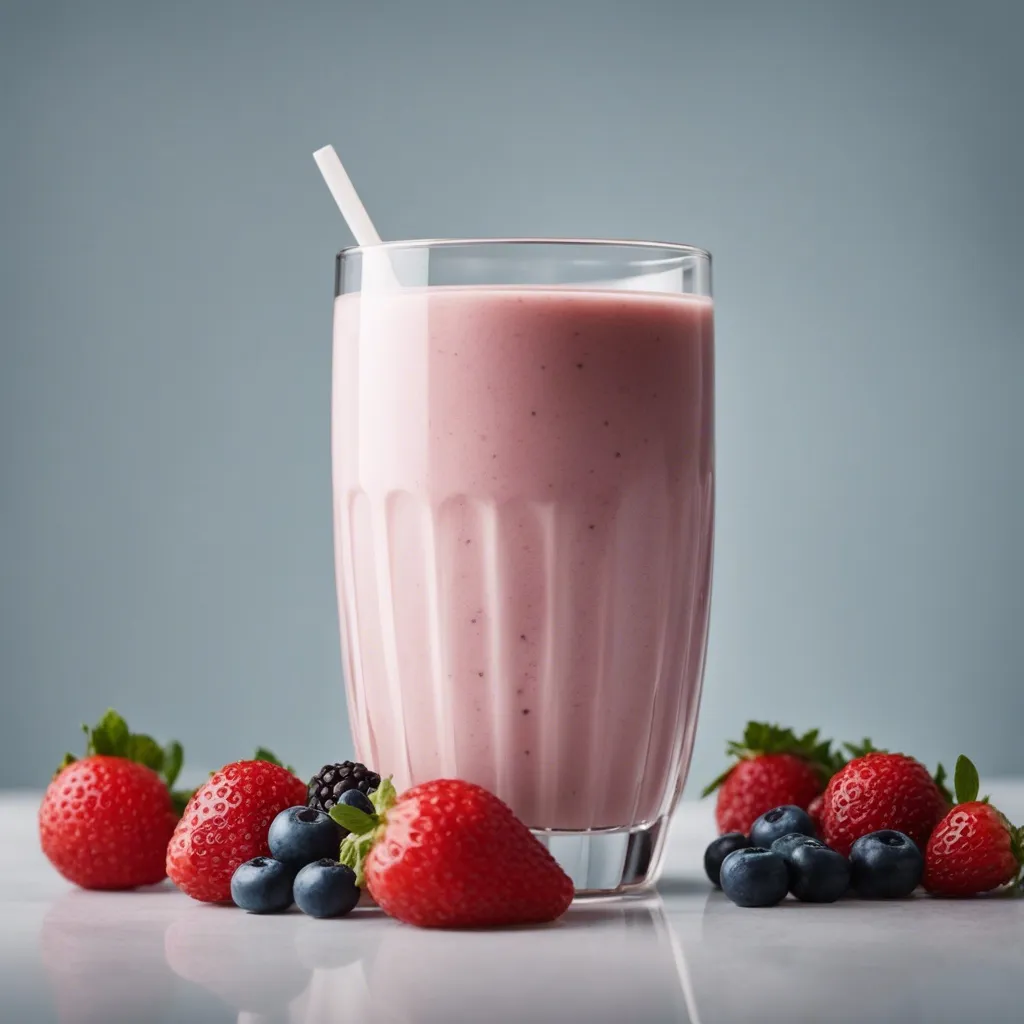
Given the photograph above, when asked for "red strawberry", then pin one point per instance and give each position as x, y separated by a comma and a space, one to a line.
105, 820
974, 848
774, 766
104, 823
449, 854
814, 809
881, 791
226, 824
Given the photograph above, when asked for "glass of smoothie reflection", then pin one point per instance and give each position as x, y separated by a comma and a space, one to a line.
523, 462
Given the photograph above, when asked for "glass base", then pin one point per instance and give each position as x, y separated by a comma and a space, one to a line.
609, 862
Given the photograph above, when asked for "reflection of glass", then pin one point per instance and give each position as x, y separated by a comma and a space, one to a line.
523, 452
601, 963
104, 957
339, 990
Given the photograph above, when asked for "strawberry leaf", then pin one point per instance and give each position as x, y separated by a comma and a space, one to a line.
764, 738
940, 781
966, 780
1017, 847
712, 786
354, 851
384, 796
262, 754
180, 799
353, 820
862, 749
174, 755
356, 846
349, 854
116, 729
112, 737
145, 750
109, 736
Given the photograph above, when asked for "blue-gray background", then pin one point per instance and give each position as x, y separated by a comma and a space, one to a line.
166, 261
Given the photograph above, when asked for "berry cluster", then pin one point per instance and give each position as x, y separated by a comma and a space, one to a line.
880, 826
783, 855
303, 866
443, 854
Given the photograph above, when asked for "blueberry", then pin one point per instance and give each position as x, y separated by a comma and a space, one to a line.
326, 888
718, 850
262, 886
779, 822
301, 835
358, 799
885, 865
817, 873
754, 877
786, 844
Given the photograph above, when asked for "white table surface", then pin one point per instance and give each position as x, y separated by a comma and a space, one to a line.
686, 954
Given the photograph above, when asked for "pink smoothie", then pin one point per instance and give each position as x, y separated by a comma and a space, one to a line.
524, 496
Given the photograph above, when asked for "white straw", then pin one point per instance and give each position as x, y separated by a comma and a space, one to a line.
346, 197
378, 271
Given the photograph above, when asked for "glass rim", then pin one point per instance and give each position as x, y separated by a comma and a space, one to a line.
676, 248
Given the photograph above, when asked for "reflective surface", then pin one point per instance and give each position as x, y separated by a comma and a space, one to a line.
686, 954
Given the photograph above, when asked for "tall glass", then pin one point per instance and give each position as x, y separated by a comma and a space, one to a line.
523, 457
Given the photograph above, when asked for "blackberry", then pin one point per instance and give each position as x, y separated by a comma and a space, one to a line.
334, 779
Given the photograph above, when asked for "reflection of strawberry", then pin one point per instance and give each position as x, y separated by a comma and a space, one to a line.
773, 767
105, 961
974, 848
449, 854
247, 961
226, 823
881, 791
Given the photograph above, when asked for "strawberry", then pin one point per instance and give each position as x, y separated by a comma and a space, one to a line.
974, 848
880, 790
773, 767
105, 820
449, 854
226, 823
814, 809
104, 823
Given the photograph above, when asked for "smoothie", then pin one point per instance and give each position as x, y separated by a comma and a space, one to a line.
524, 498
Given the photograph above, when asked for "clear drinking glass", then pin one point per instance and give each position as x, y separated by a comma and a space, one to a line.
523, 460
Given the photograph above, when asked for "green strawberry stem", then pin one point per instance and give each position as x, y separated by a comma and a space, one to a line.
1017, 845
180, 799
112, 737
940, 780
263, 754
764, 738
364, 829
966, 781
862, 749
